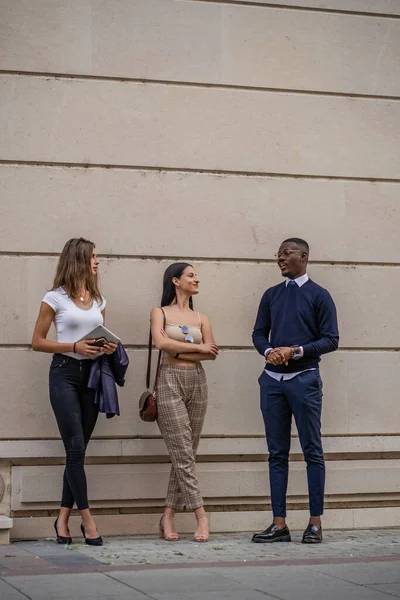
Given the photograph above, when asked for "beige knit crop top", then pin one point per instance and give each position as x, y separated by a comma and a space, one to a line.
175, 331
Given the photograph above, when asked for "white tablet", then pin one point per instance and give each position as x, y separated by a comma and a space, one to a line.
100, 334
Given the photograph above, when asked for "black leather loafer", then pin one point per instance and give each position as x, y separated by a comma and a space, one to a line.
272, 534
312, 535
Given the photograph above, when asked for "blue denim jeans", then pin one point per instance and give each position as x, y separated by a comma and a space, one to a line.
76, 415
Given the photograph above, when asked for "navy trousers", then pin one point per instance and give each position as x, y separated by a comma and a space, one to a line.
301, 397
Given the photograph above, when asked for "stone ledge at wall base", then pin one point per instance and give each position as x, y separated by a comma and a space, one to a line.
5, 528
220, 522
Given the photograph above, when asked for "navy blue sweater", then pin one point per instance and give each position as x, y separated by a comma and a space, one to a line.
297, 316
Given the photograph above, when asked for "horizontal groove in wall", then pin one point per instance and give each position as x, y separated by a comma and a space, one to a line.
338, 11
197, 171
153, 459
248, 507
122, 438
221, 347
203, 259
197, 84
203, 436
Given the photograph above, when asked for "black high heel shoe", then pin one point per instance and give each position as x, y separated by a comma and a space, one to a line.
60, 538
92, 541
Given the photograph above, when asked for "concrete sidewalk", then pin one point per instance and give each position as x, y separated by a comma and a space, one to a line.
348, 565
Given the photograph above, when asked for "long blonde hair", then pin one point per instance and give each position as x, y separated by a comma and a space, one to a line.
73, 269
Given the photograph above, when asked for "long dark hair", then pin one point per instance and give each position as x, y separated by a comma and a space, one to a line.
169, 291
73, 269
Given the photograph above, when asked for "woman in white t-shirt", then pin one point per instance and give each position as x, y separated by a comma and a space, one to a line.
75, 306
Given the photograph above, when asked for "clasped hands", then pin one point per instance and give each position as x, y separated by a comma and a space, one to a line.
279, 356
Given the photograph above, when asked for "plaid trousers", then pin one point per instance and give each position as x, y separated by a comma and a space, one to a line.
181, 406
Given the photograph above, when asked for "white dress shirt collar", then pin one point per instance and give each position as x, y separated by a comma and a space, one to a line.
299, 280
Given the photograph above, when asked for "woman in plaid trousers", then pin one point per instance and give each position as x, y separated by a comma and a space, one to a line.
185, 340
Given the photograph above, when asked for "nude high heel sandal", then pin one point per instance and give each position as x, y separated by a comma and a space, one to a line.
201, 537
172, 537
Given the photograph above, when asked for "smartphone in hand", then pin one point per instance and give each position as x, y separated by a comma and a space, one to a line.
100, 342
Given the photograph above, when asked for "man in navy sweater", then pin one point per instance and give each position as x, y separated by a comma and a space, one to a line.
296, 323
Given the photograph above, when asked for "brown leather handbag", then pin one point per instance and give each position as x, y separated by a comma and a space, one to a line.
148, 400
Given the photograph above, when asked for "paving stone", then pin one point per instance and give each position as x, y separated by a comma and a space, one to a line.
393, 589
44, 548
7, 592
238, 547
363, 574
28, 561
73, 560
167, 582
219, 595
65, 587
13, 550
298, 583
230, 566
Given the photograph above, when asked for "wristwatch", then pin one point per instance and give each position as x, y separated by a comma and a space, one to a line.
296, 352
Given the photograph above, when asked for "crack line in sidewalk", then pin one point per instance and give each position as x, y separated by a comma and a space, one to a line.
361, 585
386, 592
267, 594
131, 587
15, 588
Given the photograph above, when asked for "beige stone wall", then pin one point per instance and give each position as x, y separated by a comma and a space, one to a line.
208, 131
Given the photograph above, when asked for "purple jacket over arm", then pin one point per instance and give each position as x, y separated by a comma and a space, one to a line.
106, 373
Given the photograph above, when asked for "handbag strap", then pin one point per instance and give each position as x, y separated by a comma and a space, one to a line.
149, 358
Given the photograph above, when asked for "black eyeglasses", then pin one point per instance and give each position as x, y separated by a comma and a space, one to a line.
285, 254
185, 331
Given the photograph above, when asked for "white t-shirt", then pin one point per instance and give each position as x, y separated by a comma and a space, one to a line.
72, 322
